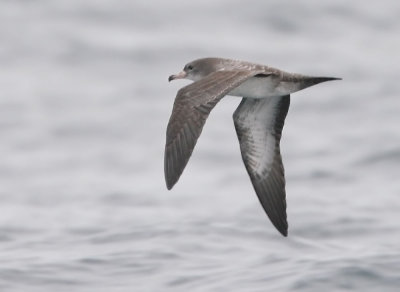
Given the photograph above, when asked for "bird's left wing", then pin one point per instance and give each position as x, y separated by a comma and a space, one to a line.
259, 124
192, 106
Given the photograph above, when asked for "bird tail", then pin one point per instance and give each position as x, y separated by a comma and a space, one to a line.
310, 81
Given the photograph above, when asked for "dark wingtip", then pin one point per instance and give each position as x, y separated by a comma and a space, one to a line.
169, 180
282, 228
280, 223
284, 232
169, 185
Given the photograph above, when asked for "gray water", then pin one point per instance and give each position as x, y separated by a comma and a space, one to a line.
84, 103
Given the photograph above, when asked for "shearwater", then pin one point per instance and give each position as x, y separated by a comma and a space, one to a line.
258, 120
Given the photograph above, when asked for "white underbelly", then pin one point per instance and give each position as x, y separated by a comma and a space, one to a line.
259, 87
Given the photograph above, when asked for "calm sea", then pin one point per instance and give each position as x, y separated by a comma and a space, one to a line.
84, 104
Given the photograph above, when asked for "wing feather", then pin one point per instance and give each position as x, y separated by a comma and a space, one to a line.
259, 124
192, 106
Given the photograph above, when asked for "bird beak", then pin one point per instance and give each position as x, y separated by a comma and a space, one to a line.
180, 75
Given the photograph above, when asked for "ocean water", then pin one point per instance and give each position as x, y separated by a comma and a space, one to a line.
84, 104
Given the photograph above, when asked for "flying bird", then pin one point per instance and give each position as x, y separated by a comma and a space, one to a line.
258, 121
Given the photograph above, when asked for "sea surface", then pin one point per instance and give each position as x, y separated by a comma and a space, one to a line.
84, 105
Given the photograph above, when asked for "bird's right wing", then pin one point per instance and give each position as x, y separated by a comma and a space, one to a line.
192, 106
259, 124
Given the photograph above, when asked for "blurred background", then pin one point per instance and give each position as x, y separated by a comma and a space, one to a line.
84, 104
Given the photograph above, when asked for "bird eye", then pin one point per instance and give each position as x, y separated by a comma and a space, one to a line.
189, 67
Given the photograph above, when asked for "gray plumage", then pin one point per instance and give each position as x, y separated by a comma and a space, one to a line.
258, 121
